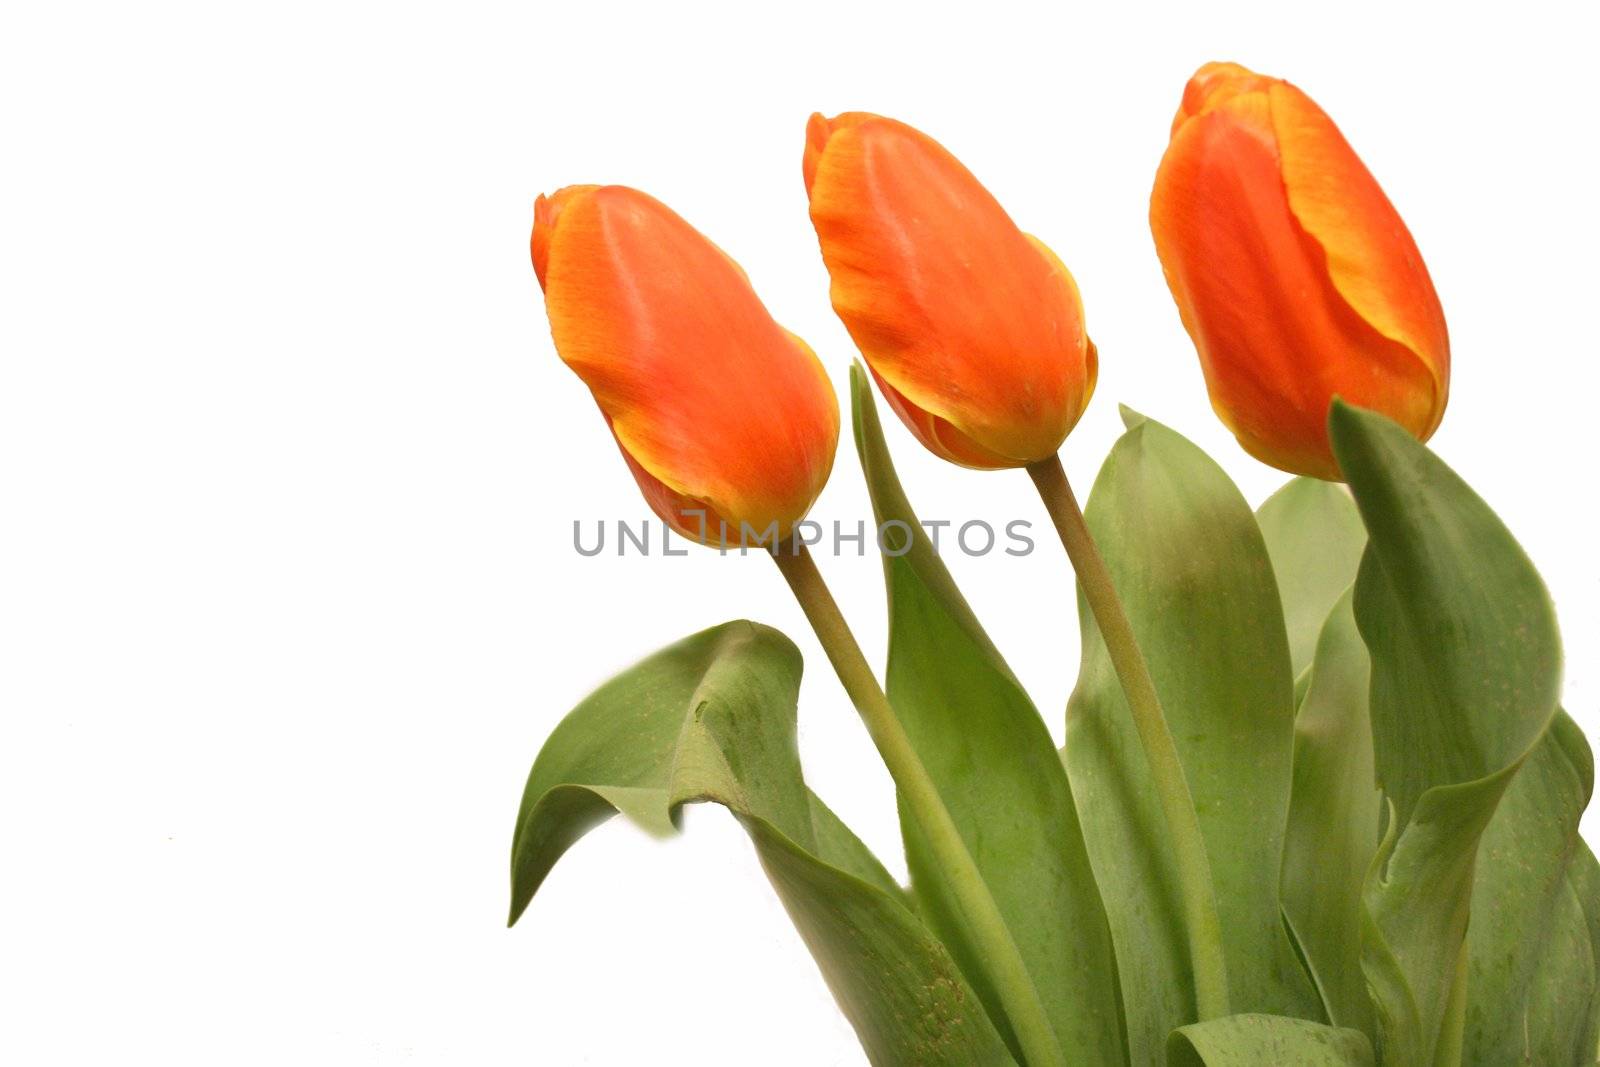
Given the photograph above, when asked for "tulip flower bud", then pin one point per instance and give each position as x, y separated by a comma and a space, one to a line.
727, 421
972, 328
1293, 273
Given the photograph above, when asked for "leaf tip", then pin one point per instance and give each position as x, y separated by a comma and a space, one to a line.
858, 375
863, 417
519, 904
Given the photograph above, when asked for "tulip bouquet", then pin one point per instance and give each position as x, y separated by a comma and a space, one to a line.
1317, 804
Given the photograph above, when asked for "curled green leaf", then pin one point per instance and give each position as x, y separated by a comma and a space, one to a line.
712, 718
1465, 676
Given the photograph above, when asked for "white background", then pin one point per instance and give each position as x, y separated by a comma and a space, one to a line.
288, 469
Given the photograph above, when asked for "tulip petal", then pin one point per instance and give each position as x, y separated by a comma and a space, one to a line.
939, 436
1373, 261
546, 213
706, 395
693, 518
1091, 354
1213, 85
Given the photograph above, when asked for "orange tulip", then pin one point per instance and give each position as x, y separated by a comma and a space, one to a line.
727, 421
1294, 275
972, 328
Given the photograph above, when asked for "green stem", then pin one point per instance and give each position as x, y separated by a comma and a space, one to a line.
979, 912
1161, 753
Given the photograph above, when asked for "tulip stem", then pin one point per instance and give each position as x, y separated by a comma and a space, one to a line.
1161, 752
979, 912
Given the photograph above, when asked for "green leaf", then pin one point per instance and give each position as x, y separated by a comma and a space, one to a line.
1465, 674
1267, 1041
1414, 919
1315, 538
1467, 662
1527, 923
713, 718
1564, 1003
1190, 565
1334, 816
997, 770
1561, 996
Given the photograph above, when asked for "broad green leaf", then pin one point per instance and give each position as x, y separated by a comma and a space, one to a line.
1564, 1003
1267, 1041
713, 718
1334, 816
998, 772
1465, 678
1467, 661
1561, 1002
1561, 994
1189, 563
1414, 919
1315, 538
1527, 923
